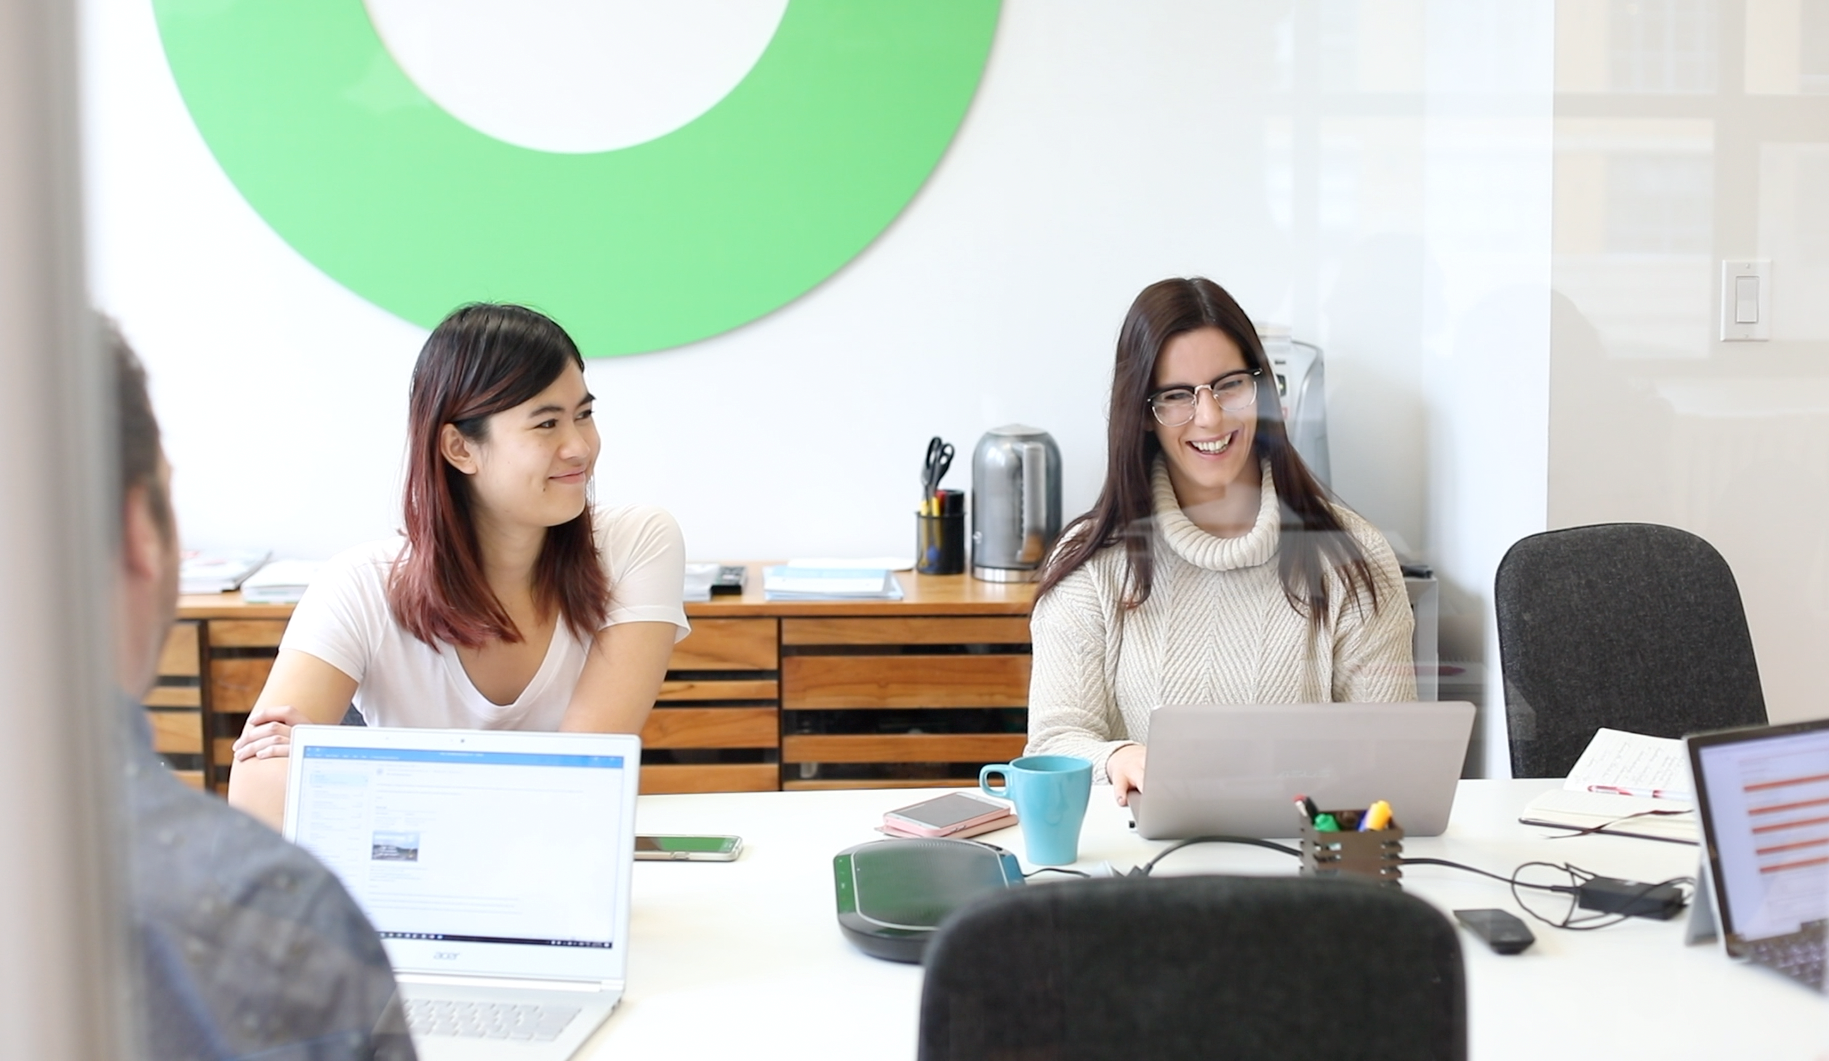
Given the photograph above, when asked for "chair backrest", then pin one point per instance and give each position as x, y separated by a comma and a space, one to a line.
1195, 968
1631, 626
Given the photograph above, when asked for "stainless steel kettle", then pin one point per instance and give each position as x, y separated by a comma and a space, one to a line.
1016, 502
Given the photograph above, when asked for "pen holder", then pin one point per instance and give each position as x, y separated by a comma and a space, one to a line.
940, 544
1376, 854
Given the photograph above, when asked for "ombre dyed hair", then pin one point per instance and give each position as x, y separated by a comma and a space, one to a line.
481, 360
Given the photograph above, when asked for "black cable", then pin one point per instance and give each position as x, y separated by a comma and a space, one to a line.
1144, 870
1055, 869
1511, 880
1577, 878
1603, 919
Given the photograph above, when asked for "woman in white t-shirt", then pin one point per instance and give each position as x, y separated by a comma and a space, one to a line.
510, 603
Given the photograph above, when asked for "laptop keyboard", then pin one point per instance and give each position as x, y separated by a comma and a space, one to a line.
1798, 955
487, 1020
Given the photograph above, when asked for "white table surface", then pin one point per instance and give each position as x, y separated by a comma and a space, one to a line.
746, 959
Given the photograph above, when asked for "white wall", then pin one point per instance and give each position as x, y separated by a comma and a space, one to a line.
1374, 172
1679, 143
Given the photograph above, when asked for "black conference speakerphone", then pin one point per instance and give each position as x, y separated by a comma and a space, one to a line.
892, 894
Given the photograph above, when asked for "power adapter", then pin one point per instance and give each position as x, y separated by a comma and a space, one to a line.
1631, 898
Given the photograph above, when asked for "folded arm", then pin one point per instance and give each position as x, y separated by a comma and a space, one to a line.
302, 689
621, 678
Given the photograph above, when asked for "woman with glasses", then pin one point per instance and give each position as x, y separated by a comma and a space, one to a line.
511, 602
1214, 567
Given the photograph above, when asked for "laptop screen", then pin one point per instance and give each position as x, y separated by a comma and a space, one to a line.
468, 845
1764, 797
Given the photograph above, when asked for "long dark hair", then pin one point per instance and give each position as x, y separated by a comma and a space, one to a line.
1313, 538
480, 360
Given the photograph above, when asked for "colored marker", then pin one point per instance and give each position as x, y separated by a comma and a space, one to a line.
1376, 817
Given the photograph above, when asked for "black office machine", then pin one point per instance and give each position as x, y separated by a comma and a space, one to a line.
892, 894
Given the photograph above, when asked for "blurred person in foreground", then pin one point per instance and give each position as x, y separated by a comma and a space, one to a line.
247, 945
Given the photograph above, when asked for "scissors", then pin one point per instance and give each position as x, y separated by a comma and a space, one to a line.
939, 459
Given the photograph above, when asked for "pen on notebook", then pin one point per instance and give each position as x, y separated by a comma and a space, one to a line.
1647, 793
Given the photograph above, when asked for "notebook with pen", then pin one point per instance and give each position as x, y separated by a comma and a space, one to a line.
1624, 784
1235, 769
495, 865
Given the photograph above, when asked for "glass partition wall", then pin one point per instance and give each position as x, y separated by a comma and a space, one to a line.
63, 945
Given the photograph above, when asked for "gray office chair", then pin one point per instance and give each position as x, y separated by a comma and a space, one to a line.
1195, 968
1630, 626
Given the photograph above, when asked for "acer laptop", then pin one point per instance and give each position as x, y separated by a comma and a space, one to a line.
1762, 794
1236, 769
495, 866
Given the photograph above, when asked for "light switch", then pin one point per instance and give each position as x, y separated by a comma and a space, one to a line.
1746, 300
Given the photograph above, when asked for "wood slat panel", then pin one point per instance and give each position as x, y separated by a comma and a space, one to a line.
180, 657
176, 732
903, 748
224, 748
712, 727
727, 644
193, 778
709, 690
246, 633
814, 682
720, 777
236, 683
822, 785
173, 696
964, 630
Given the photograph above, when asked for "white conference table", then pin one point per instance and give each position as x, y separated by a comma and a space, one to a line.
746, 959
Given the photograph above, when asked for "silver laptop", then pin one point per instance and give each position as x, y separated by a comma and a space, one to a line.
1762, 794
1236, 769
495, 866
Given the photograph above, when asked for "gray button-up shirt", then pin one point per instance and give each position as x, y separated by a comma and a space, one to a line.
249, 947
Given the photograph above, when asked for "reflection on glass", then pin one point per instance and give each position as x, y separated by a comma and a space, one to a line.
1813, 47
1661, 45
1659, 204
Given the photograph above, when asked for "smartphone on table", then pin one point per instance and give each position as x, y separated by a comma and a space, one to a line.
957, 814
688, 848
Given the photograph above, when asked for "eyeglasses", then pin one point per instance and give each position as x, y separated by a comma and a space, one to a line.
1234, 391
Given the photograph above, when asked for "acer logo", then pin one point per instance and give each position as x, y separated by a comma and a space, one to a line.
444, 955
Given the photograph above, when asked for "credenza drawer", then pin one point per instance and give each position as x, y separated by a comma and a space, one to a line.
904, 748
715, 777
181, 657
816, 682
712, 727
928, 630
727, 644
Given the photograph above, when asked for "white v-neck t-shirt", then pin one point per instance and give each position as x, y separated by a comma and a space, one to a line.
345, 621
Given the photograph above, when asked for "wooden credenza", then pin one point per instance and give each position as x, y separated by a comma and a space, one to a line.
761, 695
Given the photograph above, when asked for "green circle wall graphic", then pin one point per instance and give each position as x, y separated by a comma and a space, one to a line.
720, 222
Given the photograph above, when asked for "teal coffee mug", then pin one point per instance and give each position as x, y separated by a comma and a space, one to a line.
1050, 793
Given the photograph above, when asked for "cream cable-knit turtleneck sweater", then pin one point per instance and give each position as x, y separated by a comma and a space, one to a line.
1216, 629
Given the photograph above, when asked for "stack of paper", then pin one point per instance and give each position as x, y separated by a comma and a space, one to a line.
217, 572
868, 563
1624, 784
280, 582
699, 578
787, 582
